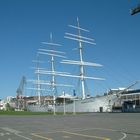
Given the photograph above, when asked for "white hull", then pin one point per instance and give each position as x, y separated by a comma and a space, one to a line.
94, 104
39, 108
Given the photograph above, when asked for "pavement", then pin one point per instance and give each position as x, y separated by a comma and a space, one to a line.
91, 126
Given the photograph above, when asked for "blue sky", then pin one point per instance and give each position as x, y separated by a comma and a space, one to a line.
24, 24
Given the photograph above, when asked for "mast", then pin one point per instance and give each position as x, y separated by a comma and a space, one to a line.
81, 40
38, 87
53, 77
52, 53
53, 69
37, 82
81, 60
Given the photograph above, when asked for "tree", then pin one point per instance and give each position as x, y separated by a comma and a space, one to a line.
9, 108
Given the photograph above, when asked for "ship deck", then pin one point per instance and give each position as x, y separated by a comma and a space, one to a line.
91, 126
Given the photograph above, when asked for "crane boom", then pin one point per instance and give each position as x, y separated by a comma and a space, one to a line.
20, 89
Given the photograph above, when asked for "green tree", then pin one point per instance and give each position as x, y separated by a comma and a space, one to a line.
9, 108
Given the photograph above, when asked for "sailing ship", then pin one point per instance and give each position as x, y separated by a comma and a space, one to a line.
72, 103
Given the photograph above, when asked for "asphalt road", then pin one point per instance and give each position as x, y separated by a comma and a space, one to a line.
93, 126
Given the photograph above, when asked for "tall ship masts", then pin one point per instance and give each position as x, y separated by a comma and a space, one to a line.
81, 40
53, 54
68, 103
37, 82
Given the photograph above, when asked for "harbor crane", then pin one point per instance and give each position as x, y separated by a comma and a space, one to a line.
135, 10
19, 93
